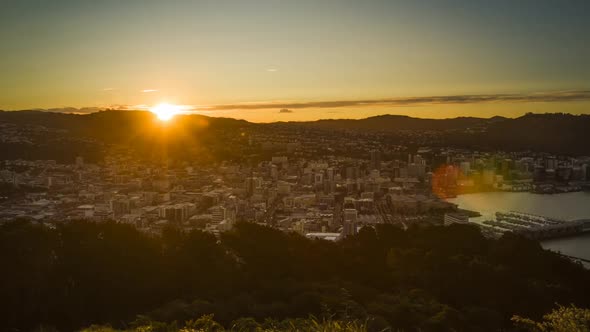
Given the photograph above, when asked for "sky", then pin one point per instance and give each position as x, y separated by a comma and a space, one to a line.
309, 58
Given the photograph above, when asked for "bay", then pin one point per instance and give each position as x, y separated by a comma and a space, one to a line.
567, 206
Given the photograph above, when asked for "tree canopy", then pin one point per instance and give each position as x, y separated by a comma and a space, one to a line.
78, 274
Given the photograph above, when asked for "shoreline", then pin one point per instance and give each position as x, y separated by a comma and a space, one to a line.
517, 192
569, 206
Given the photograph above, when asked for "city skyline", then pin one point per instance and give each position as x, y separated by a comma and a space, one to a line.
268, 61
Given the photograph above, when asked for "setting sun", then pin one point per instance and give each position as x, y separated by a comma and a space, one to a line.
165, 111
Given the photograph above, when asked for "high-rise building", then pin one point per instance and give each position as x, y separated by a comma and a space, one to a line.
506, 166
375, 159
488, 176
252, 183
318, 177
218, 213
352, 172
349, 224
465, 167
330, 173
274, 172
177, 213
418, 160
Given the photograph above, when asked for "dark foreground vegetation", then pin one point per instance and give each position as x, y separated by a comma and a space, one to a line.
430, 279
561, 319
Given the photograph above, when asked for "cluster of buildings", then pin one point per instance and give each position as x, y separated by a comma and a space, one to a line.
330, 198
307, 185
464, 172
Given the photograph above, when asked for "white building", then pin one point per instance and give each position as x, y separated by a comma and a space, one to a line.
456, 218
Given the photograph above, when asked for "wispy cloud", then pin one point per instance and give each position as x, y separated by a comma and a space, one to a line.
272, 70
149, 90
546, 97
285, 107
108, 89
184, 109
71, 110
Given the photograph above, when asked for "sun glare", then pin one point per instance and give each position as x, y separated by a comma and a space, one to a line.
165, 112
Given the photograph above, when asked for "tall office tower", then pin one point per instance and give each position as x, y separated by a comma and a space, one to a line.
274, 172
375, 159
349, 225
336, 215
488, 176
418, 160
352, 172
252, 183
465, 167
330, 173
218, 213
505, 166
318, 178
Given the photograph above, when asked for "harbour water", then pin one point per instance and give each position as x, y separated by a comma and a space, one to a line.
568, 206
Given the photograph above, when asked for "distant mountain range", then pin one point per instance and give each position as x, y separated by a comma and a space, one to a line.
557, 133
401, 122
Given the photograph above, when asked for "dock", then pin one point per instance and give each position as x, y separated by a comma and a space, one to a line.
535, 226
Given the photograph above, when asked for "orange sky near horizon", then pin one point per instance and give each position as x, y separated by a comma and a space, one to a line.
63, 54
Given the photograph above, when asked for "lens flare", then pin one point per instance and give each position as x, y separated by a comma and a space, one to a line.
444, 181
165, 112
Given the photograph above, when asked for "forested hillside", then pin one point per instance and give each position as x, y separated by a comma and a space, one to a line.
435, 278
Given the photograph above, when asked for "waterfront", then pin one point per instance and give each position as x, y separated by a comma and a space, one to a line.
567, 206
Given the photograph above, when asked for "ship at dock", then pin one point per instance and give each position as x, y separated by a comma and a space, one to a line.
534, 226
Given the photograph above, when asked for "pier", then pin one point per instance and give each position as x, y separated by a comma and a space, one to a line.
574, 258
537, 227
